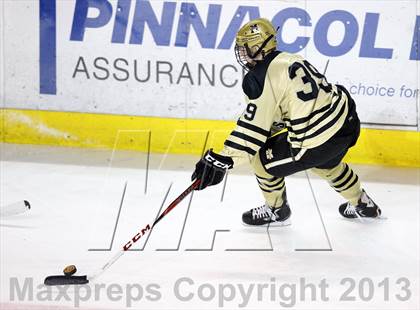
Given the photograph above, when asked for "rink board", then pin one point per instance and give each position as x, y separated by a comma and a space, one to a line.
165, 71
175, 59
176, 136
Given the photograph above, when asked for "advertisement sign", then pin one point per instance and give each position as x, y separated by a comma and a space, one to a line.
176, 59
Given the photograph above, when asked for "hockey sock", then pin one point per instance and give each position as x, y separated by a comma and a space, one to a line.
343, 180
272, 189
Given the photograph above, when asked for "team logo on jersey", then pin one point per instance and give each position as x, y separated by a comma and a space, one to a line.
269, 154
279, 125
255, 29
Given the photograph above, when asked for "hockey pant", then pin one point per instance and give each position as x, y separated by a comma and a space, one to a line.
276, 160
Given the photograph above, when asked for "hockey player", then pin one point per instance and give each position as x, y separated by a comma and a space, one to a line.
285, 90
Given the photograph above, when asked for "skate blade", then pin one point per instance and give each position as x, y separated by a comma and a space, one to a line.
366, 220
287, 222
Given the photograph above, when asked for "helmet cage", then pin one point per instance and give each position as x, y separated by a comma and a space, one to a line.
242, 58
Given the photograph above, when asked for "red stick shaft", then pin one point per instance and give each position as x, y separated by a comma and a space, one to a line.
178, 200
173, 204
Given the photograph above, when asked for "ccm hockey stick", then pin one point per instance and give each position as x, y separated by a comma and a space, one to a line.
69, 279
14, 208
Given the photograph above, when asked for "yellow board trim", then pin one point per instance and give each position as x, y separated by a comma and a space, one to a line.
179, 136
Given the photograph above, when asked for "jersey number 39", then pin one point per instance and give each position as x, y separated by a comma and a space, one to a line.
308, 77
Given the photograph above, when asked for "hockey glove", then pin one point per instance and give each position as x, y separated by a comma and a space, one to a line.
211, 169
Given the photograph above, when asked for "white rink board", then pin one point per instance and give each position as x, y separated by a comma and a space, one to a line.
368, 43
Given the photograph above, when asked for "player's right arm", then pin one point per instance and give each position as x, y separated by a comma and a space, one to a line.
264, 91
249, 135
251, 132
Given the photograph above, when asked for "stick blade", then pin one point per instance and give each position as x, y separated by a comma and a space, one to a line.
66, 280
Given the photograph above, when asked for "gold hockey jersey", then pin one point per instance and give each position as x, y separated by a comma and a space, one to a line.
285, 90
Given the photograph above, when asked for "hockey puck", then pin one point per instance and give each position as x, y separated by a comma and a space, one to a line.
70, 270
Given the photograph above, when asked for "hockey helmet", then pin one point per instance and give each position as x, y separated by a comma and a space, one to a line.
254, 41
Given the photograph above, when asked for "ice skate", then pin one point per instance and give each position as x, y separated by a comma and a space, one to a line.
265, 215
366, 209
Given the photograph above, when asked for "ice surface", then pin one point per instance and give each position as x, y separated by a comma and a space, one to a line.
76, 195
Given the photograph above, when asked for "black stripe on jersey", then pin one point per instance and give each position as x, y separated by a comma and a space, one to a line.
240, 147
345, 181
247, 138
323, 128
352, 183
319, 120
302, 120
341, 175
267, 179
271, 185
253, 128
